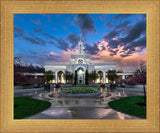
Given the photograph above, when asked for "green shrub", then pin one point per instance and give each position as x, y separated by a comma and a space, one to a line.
81, 85
80, 91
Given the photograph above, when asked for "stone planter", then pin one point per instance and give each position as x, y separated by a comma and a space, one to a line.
89, 87
80, 95
23, 86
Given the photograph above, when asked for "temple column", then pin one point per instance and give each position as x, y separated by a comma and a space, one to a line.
63, 78
56, 77
104, 77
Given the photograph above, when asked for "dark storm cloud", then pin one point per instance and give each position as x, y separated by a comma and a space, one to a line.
124, 28
123, 25
121, 16
110, 35
128, 53
62, 44
114, 43
49, 36
42, 42
31, 40
73, 39
124, 55
18, 31
34, 53
131, 40
114, 20
38, 30
91, 49
109, 24
113, 52
35, 40
25, 35
138, 43
52, 42
85, 23
59, 42
135, 32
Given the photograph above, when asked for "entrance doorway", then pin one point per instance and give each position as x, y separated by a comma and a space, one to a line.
60, 77
100, 77
80, 75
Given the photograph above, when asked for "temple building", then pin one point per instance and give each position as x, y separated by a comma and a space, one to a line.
79, 63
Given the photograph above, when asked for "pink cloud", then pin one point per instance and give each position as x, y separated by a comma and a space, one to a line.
128, 63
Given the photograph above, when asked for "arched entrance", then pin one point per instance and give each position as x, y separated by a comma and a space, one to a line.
60, 77
100, 77
81, 75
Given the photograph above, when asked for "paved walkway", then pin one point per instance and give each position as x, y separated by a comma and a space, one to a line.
81, 113
79, 108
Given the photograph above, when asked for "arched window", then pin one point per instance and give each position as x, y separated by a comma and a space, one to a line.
80, 61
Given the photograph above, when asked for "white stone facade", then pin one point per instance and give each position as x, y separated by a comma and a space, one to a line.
80, 62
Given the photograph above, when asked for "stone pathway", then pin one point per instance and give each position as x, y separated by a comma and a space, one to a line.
79, 108
81, 113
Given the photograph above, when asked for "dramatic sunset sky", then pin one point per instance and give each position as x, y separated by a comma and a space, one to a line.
119, 38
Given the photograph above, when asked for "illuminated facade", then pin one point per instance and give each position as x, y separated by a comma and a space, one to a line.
80, 62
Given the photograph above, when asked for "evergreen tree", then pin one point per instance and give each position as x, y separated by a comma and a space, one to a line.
49, 76
75, 78
112, 75
93, 76
86, 77
68, 76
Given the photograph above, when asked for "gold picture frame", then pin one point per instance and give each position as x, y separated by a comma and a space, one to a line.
10, 7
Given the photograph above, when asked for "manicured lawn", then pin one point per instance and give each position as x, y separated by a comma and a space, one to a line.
128, 105
25, 106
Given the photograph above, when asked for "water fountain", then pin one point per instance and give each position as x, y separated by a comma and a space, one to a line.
123, 92
119, 94
104, 95
35, 92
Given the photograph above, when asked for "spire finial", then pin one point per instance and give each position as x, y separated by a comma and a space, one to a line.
80, 34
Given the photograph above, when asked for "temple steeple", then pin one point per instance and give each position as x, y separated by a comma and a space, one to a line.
80, 34
80, 45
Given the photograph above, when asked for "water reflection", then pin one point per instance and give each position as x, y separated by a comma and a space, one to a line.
54, 94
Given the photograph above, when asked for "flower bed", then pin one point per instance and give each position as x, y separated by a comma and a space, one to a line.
79, 92
83, 86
